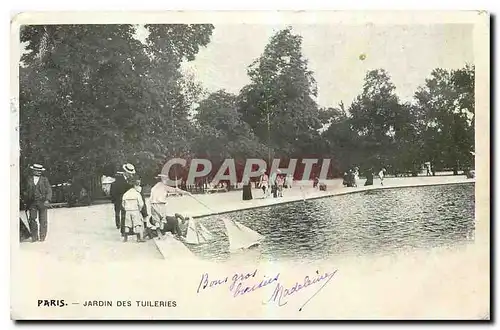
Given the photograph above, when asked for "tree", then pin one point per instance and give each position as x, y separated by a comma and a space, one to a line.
222, 132
91, 95
376, 116
279, 102
339, 140
407, 152
446, 111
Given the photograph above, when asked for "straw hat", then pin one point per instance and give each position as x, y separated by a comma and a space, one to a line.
37, 167
129, 168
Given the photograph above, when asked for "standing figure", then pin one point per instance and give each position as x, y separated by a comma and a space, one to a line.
315, 182
133, 203
247, 191
159, 207
356, 176
264, 183
369, 178
288, 181
38, 194
273, 184
345, 181
148, 228
381, 175
280, 182
118, 188
158, 200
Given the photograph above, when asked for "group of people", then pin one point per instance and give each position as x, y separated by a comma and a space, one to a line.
131, 213
351, 177
273, 184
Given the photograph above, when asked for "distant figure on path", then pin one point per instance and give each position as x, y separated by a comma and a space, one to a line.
280, 182
289, 181
315, 182
38, 194
247, 191
369, 178
345, 181
381, 175
428, 167
356, 176
264, 184
273, 182
348, 179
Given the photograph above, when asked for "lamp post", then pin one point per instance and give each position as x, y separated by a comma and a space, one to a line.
286, 59
268, 136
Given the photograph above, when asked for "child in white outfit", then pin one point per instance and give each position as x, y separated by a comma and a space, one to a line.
132, 203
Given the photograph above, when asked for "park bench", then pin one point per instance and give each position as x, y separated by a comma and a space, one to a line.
215, 190
57, 205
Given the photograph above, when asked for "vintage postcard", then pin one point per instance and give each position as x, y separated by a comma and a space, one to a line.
250, 166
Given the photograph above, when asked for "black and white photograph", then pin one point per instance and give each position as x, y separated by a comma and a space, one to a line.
251, 166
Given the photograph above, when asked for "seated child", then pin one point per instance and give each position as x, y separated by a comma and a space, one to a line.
177, 225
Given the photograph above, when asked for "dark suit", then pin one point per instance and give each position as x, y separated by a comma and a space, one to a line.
35, 197
118, 188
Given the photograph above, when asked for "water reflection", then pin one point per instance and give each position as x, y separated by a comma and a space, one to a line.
361, 223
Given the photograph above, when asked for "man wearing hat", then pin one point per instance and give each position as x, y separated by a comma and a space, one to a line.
160, 216
121, 185
38, 194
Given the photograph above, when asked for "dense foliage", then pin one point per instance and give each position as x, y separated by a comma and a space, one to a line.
94, 96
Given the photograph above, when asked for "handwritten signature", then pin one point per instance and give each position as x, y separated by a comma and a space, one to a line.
280, 292
238, 286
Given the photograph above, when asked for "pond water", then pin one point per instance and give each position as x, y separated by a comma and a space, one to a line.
377, 221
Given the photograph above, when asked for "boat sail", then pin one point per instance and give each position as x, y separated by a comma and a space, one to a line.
197, 233
240, 236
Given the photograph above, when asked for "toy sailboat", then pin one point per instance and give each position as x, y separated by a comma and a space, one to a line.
197, 233
240, 236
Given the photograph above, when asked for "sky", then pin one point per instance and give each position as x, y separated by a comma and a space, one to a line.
408, 52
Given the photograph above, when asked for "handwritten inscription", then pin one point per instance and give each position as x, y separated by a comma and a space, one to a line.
206, 283
237, 282
243, 283
242, 288
281, 293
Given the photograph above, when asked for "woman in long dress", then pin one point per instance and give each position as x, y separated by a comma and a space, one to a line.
369, 178
247, 191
